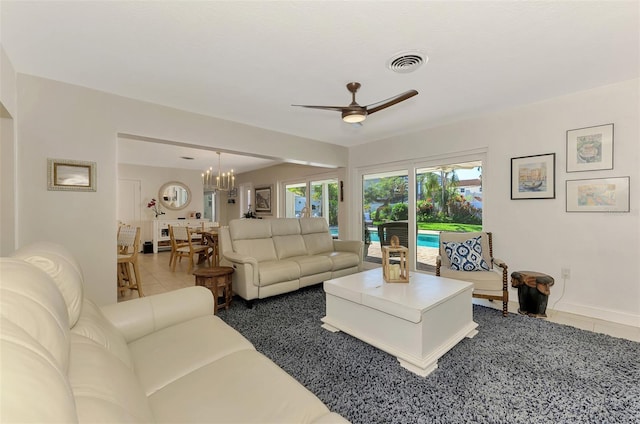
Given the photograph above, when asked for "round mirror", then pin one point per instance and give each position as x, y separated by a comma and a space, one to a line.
174, 195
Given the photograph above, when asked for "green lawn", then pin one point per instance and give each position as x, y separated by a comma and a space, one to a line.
446, 226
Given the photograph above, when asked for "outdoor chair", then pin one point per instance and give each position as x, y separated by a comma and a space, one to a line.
394, 228
469, 257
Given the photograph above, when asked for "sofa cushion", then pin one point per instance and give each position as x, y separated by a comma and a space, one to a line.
343, 260
169, 354
272, 272
34, 389
284, 226
288, 246
314, 225
252, 237
260, 249
58, 262
246, 229
482, 280
317, 237
105, 389
30, 299
93, 325
318, 243
268, 395
311, 265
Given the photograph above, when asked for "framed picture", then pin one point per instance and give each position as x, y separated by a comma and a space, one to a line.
598, 195
533, 177
590, 149
263, 200
71, 175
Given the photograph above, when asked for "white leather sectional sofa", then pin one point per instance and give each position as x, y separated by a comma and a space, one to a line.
275, 256
163, 358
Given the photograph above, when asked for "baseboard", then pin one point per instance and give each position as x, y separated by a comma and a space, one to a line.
600, 313
615, 317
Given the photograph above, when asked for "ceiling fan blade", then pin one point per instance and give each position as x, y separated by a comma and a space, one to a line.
338, 108
372, 108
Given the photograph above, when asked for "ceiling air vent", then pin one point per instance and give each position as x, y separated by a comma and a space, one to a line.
406, 62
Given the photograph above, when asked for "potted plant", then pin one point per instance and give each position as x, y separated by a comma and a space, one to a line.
250, 214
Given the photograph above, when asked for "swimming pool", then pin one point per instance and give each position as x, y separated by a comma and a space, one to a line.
424, 240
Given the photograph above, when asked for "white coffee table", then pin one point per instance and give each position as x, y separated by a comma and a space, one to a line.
417, 322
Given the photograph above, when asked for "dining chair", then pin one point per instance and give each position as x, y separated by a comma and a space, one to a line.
188, 249
128, 249
176, 244
210, 238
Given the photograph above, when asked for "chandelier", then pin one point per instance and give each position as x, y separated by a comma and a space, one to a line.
224, 181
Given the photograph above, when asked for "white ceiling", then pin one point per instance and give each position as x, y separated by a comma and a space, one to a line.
249, 61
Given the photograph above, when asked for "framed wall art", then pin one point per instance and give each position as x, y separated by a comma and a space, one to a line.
71, 175
533, 177
263, 200
598, 195
590, 149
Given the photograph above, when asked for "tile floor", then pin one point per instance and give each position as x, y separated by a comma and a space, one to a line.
158, 278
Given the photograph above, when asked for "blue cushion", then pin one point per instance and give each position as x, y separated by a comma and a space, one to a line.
466, 256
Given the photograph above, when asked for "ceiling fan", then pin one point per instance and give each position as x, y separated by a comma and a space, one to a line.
354, 113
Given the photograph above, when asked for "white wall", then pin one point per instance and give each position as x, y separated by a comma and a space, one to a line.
601, 249
7, 155
151, 179
65, 121
277, 174
57, 120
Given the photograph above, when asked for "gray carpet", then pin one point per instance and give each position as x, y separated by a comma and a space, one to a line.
516, 370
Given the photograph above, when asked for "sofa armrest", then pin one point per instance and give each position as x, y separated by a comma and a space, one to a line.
354, 246
238, 259
241, 259
139, 317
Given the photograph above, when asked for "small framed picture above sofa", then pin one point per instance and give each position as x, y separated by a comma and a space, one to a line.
263, 200
71, 175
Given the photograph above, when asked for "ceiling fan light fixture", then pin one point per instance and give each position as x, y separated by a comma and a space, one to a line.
353, 116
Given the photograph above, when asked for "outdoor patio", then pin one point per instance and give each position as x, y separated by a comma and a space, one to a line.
426, 256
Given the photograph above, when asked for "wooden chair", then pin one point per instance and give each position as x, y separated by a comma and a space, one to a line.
188, 250
128, 249
176, 243
487, 284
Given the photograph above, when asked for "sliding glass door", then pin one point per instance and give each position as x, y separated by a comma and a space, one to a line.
385, 200
418, 202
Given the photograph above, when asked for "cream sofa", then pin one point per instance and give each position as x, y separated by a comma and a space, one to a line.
275, 256
163, 358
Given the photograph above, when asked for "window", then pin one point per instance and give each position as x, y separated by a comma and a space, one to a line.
317, 198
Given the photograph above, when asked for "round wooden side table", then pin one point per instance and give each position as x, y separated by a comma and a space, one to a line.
218, 280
